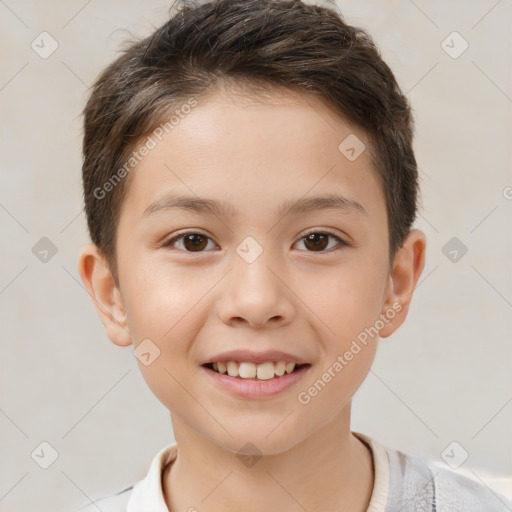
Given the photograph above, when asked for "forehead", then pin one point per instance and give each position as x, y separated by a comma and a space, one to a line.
234, 146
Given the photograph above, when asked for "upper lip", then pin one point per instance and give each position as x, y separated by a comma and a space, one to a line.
254, 357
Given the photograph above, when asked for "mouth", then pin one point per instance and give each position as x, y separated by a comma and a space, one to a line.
255, 372
253, 381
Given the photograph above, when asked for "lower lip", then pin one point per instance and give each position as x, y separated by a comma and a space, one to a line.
254, 388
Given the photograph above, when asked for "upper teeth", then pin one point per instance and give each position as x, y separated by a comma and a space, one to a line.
263, 371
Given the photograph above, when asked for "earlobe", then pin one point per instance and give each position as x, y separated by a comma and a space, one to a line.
105, 296
407, 268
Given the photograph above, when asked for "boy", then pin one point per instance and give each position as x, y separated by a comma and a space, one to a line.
250, 188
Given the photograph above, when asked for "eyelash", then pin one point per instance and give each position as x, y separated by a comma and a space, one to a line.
341, 244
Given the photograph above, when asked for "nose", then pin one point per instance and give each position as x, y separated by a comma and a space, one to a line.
256, 294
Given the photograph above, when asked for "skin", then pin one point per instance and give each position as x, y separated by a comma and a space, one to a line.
312, 303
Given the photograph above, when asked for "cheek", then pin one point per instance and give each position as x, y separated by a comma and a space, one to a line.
165, 312
161, 298
166, 330
348, 305
347, 300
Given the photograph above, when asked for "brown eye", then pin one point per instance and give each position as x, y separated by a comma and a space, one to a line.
318, 241
192, 242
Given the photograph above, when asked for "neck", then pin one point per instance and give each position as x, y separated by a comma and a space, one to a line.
330, 470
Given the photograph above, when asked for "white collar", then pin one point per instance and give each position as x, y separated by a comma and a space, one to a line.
147, 494
379, 497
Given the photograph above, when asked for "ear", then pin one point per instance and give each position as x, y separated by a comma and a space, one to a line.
407, 267
105, 296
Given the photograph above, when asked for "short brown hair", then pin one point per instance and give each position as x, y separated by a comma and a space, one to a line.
259, 46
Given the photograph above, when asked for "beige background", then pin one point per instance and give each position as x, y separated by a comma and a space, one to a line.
443, 377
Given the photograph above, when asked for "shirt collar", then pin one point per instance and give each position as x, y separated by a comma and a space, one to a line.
148, 493
379, 497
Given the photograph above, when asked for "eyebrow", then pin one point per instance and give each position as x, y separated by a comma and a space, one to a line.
224, 209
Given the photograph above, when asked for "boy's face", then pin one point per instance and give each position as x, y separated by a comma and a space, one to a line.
254, 281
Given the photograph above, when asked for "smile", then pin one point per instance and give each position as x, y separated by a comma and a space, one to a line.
248, 380
247, 370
